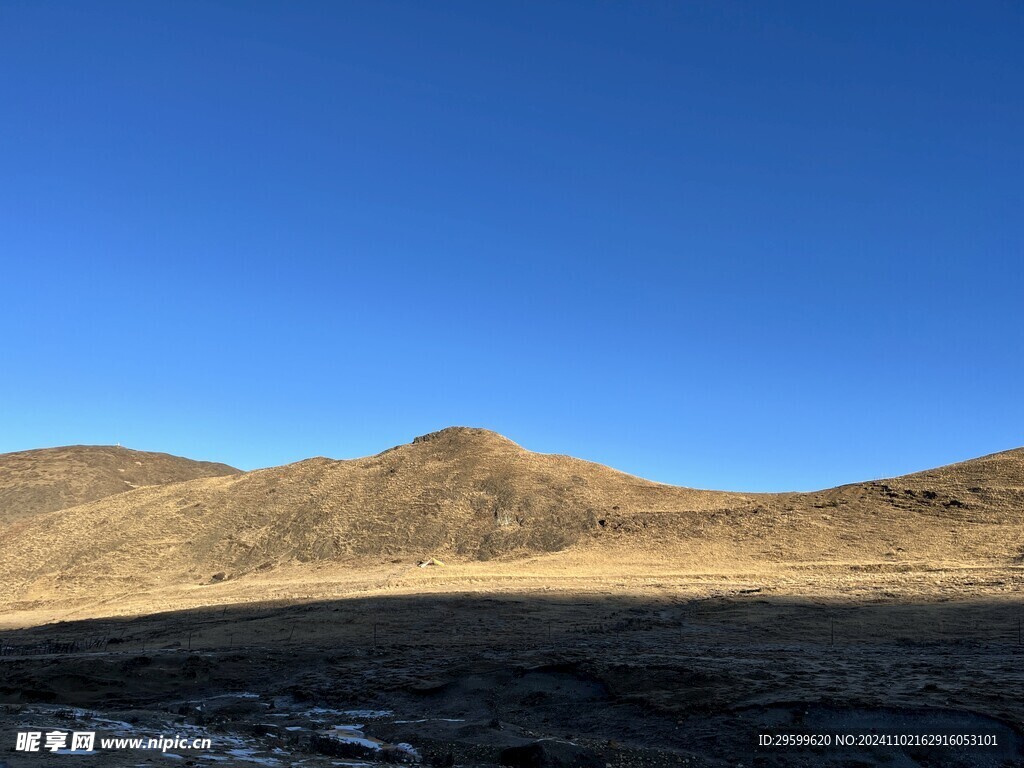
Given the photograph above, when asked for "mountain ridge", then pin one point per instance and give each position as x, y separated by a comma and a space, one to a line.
42, 480
471, 495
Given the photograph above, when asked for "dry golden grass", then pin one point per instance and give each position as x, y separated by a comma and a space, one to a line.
497, 515
50, 479
685, 622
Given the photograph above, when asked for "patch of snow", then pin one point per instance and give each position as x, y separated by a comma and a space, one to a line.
249, 756
408, 749
363, 714
367, 714
352, 735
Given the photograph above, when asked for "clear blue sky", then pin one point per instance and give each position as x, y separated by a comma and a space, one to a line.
741, 245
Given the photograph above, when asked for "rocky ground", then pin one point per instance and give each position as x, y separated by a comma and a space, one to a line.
634, 677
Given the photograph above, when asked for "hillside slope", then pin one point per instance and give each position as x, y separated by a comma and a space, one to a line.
49, 479
470, 494
463, 493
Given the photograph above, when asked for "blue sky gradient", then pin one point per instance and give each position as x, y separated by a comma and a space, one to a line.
755, 246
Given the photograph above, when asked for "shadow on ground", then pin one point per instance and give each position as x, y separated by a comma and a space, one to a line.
532, 681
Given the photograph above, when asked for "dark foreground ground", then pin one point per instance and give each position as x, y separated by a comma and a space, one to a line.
468, 680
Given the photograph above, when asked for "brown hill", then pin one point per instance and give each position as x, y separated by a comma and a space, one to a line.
46, 480
470, 495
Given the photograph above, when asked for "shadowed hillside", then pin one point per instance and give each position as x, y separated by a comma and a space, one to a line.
49, 479
469, 495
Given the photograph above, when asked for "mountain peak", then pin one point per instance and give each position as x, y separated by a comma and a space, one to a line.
461, 435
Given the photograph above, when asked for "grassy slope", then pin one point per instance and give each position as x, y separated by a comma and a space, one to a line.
472, 495
50, 479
